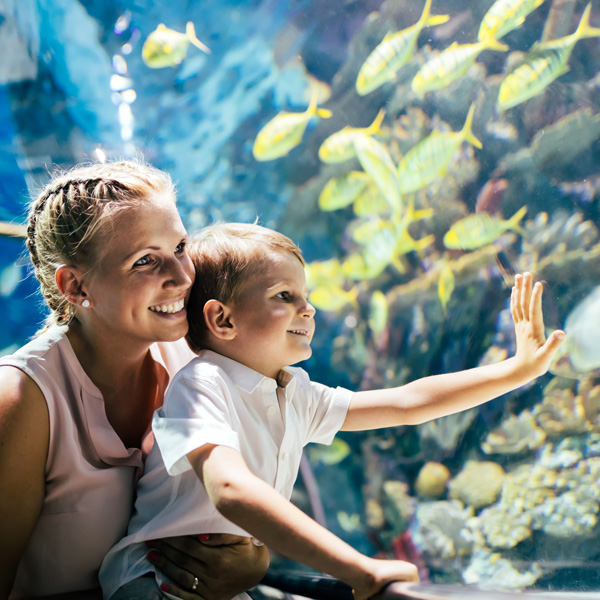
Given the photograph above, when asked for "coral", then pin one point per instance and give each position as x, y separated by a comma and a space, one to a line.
398, 506
491, 571
478, 484
516, 434
447, 431
432, 480
442, 530
503, 527
565, 411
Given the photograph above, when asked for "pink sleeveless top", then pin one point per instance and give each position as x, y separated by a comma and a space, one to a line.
90, 475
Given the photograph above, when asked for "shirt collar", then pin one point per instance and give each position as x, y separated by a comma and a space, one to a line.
244, 377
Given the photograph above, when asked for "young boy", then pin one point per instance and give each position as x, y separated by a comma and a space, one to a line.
235, 419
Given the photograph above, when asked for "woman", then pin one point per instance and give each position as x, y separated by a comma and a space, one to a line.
108, 248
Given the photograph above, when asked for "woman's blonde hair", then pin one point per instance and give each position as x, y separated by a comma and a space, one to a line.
65, 223
226, 256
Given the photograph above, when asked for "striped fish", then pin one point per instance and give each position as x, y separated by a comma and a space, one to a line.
480, 230
377, 162
284, 132
339, 146
504, 16
546, 62
429, 159
342, 191
450, 64
393, 52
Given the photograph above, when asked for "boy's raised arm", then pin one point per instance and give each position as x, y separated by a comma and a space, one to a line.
440, 395
255, 506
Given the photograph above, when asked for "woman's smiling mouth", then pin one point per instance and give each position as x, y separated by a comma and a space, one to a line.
168, 308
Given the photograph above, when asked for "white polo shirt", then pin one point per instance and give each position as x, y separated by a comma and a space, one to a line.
216, 400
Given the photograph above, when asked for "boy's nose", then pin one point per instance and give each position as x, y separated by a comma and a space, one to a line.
308, 310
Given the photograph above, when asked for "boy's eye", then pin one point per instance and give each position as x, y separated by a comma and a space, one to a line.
180, 248
284, 296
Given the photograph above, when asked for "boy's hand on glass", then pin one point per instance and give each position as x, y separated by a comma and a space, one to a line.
383, 572
534, 352
210, 567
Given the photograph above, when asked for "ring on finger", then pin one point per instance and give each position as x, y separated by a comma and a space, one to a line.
195, 585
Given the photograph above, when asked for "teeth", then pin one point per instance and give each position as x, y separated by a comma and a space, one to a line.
168, 308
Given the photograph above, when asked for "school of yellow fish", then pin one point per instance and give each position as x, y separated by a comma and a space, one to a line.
380, 194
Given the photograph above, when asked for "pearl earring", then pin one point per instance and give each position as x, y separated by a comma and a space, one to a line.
86, 303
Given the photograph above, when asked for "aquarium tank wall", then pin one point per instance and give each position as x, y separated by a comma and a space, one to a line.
420, 153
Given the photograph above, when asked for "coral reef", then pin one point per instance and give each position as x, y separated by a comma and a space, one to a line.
478, 484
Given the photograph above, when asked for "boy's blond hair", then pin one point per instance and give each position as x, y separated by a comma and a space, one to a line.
226, 256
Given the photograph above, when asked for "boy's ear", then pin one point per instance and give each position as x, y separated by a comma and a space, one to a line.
218, 320
69, 283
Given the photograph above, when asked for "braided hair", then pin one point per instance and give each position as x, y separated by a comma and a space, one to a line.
65, 223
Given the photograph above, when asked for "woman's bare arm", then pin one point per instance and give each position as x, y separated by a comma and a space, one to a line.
24, 434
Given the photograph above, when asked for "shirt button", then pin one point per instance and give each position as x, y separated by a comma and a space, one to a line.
284, 456
271, 410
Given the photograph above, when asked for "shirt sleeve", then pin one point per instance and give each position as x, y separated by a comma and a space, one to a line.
195, 413
326, 412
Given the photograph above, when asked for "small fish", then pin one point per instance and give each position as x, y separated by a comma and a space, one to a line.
339, 146
450, 64
361, 267
429, 159
348, 523
377, 162
13, 229
331, 454
544, 63
504, 16
490, 196
284, 132
165, 47
378, 313
10, 277
370, 202
445, 286
342, 191
393, 52
323, 273
333, 298
480, 229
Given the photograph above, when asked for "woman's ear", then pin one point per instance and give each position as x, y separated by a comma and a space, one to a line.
218, 320
69, 283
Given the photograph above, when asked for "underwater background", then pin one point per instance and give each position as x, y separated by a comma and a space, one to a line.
471, 152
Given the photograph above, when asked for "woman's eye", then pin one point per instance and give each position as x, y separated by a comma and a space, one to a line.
142, 262
180, 248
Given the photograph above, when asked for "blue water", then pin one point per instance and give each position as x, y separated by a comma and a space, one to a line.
75, 88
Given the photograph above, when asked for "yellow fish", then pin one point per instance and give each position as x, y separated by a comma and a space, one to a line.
360, 267
165, 47
339, 146
445, 286
393, 52
450, 64
13, 229
284, 132
377, 162
323, 273
342, 191
378, 313
429, 159
546, 62
504, 16
333, 298
370, 202
480, 229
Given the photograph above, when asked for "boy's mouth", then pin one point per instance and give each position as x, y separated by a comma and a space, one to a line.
175, 307
298, 331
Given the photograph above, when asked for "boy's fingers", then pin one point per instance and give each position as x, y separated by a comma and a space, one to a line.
537, 316
554, 341
526, 296
518, 291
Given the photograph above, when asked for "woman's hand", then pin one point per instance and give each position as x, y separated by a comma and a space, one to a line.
224, 565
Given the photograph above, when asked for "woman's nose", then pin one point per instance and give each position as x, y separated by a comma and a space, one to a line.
180, 272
